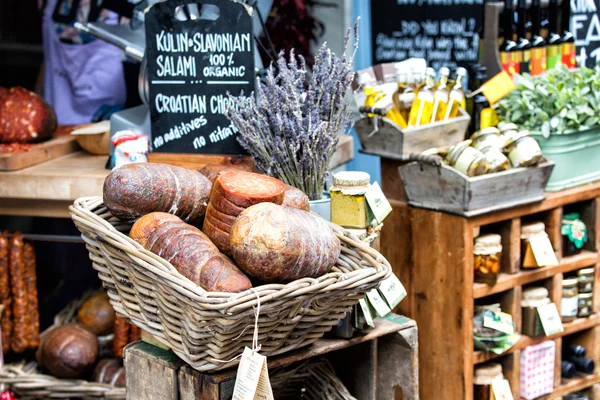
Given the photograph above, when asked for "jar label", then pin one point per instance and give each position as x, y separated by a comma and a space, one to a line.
553, 56
538, 61
568, 306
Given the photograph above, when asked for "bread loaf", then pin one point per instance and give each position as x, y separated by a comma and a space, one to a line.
190, 252
279, 244
25, 117
295, 198
134, 190
68, 351
97, 315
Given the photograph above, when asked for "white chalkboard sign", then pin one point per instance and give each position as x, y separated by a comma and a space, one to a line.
197, 51
444, 32
585, 26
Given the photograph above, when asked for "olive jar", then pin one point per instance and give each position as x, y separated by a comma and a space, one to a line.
467, 160
523, 150
483, 376
574, 234
487, 252
532, 298
570, 300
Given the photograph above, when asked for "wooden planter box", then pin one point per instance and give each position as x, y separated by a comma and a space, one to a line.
387, 139
443, 188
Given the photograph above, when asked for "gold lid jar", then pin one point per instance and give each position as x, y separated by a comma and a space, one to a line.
487, 137
508, 128
467, 160
523, 150
497, 161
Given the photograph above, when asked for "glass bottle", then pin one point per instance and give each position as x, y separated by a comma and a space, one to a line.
441, 96
405, 94
523, 44
538, 44
509, 54
368, 84
568, 40
422, 107
553, 40
457, 95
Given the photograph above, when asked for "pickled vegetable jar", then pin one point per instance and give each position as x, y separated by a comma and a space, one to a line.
487, 258
523, 150
574, 233
570, 301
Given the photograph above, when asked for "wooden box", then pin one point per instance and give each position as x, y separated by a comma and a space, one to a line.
443, 188
381, 136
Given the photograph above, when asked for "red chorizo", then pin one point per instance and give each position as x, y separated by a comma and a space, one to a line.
134, 190
295, 198
25, 117
30, 277
121, 338
245, 189
5, 299
20, 307
135, 334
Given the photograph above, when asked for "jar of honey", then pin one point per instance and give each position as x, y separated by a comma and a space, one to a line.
487, 260
349, 206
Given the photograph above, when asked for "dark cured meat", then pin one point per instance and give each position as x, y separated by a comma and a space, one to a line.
5, 299
135, 334
245, 189
25, 117
134, 190
280, 244
190, 251
20, 307
30, 276
121, 338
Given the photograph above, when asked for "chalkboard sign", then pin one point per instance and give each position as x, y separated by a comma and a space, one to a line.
443, 32
197, 51
585, 26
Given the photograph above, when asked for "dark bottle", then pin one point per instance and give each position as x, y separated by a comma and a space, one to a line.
568, 41
583, 364
567, 370
538, 44
523, 44
483, 115
573, 350
553, 40
509, 54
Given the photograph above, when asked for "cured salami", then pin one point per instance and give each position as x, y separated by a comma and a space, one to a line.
218, 236
135, 334
5, 299
212, 171
295, 198
121, 338
280, 244
20, 308
223, 205
30, 277
25, 117
218, 215
245, 189
190, 251
134, 190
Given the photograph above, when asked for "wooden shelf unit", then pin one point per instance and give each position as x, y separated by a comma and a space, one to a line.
432, 253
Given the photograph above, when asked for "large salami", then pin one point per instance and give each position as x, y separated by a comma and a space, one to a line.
25, 117
20, 308
5, 299
245, 189
30, 277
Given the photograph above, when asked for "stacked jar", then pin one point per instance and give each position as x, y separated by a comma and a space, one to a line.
490, 142
570, 300
487, 252
533, 297
585, 286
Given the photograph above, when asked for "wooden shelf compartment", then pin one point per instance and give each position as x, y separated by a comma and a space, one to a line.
577, 384
507, 281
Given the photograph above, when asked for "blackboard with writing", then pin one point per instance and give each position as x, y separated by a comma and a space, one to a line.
444, 32
197, 51
585, 26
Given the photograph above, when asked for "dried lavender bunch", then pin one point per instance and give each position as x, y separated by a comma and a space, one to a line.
291, 129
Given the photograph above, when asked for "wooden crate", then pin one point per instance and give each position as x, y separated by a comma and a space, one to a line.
382, 137
376, 364
436, 252
444, 188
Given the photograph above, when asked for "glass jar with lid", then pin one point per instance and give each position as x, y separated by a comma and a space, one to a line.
467, 160
529, 232
523, 150
487, 137
574, 234
585, 280
585, 304
570, 301
349, 206
487, 252
532, 298
497, 161
483, 376
508, 129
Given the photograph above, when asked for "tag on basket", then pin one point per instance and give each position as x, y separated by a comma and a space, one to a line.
378, 303
252, 380
379, 205
366, 312
550, 319
392, 290
501, 390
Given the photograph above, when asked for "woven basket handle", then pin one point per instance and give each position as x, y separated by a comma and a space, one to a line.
432, 159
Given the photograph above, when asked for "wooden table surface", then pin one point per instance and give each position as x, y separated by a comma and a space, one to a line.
48, 189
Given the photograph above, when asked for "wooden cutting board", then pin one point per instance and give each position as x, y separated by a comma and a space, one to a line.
41, 152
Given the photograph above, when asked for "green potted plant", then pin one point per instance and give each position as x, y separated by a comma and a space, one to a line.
562, 111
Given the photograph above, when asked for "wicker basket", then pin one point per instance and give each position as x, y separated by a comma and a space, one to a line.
26, 381
208, 329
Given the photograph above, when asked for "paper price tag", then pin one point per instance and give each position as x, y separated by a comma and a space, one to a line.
550, 319
498, 87
392, 290
366, 312
501, 390
252, 380
543, 251
378, 303
501, 322
378, 203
